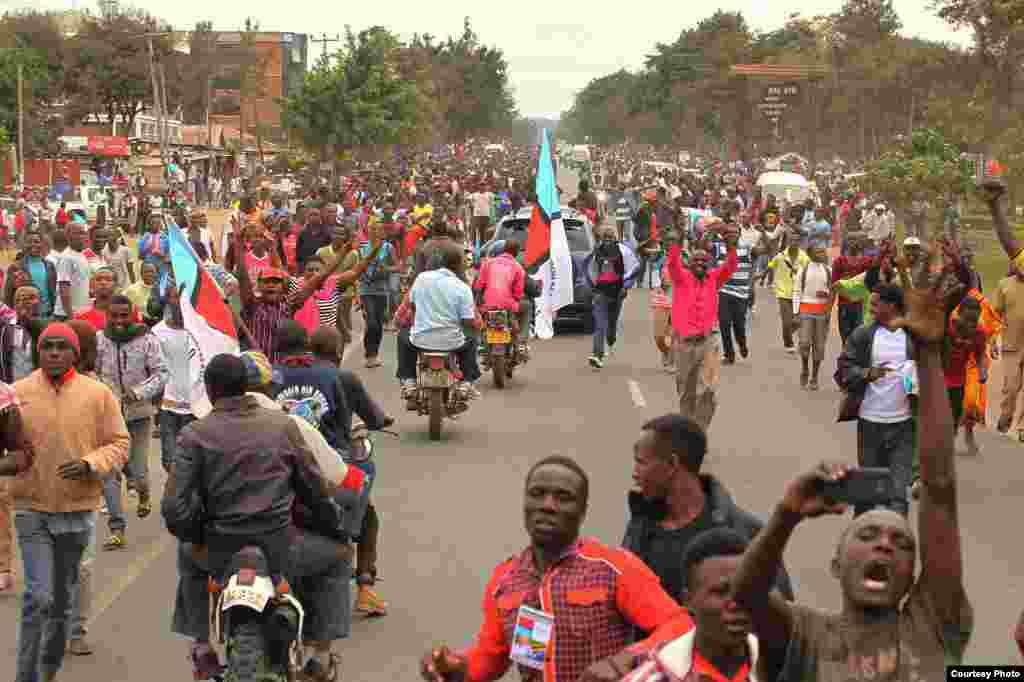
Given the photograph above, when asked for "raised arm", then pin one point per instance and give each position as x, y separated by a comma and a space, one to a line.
938, 522
993, 197
245, 291
755, 579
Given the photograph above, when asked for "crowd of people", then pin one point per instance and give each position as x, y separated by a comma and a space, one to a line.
96, 364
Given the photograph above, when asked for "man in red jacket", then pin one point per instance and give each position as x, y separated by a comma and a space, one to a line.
565, 602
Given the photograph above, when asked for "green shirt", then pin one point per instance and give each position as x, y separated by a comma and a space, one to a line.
855, 289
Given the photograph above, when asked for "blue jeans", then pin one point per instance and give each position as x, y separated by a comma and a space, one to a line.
171, 424
51, 555
369, 469
81, 594
606, 320
136, 471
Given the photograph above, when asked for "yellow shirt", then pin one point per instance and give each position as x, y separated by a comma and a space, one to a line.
138, 294
785, 269
425, 212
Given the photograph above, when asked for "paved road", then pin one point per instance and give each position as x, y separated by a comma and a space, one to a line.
451, 510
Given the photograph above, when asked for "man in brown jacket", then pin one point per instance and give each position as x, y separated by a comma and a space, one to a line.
76, 430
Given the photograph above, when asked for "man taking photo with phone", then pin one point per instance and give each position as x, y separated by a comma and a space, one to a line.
891, 626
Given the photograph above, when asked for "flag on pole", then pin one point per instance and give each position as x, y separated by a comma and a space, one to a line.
547, 248
206, 315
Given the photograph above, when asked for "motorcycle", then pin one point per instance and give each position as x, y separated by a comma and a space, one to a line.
254, 614
437, 395
500, 352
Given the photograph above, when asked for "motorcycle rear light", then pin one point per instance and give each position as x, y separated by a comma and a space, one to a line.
436, 363
247, 577
212, 586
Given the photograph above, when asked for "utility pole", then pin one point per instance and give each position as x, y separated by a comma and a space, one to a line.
324, 39
21, 124
156, 98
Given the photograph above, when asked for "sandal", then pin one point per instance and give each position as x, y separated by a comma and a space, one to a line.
145, 508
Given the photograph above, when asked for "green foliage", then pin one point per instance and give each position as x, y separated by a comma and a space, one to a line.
108, 65
360, 99
924, 167
468, 83
39, 49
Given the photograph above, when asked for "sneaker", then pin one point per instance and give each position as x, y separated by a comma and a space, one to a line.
369, 603
145, 506
472, 392
79, 647
117, 540
596, 362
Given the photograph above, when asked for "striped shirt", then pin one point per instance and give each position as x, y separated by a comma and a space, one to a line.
262, 320
326, 301
740, 282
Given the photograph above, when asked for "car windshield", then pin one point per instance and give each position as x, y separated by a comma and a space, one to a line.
575, 232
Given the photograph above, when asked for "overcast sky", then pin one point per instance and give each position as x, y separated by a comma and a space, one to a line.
553, 48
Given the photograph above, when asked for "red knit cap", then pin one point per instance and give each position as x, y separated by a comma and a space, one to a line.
61, 330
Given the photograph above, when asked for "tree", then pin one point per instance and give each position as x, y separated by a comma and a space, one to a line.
198, 70
358, 100
998, 44
108, 66
469, 81
39, 49
924, 167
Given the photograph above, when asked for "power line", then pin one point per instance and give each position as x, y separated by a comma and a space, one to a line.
324, 39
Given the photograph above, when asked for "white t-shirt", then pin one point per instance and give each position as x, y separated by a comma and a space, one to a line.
74, 269
886, 400
118, 259
751, 237
481, 204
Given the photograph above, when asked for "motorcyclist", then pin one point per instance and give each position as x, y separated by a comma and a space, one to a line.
206, 501
320, 566
500, 285
443, 310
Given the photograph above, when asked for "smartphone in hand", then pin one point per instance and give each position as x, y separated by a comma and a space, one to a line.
869, 486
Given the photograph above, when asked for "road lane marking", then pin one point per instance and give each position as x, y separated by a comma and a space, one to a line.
106, 599
635, 394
